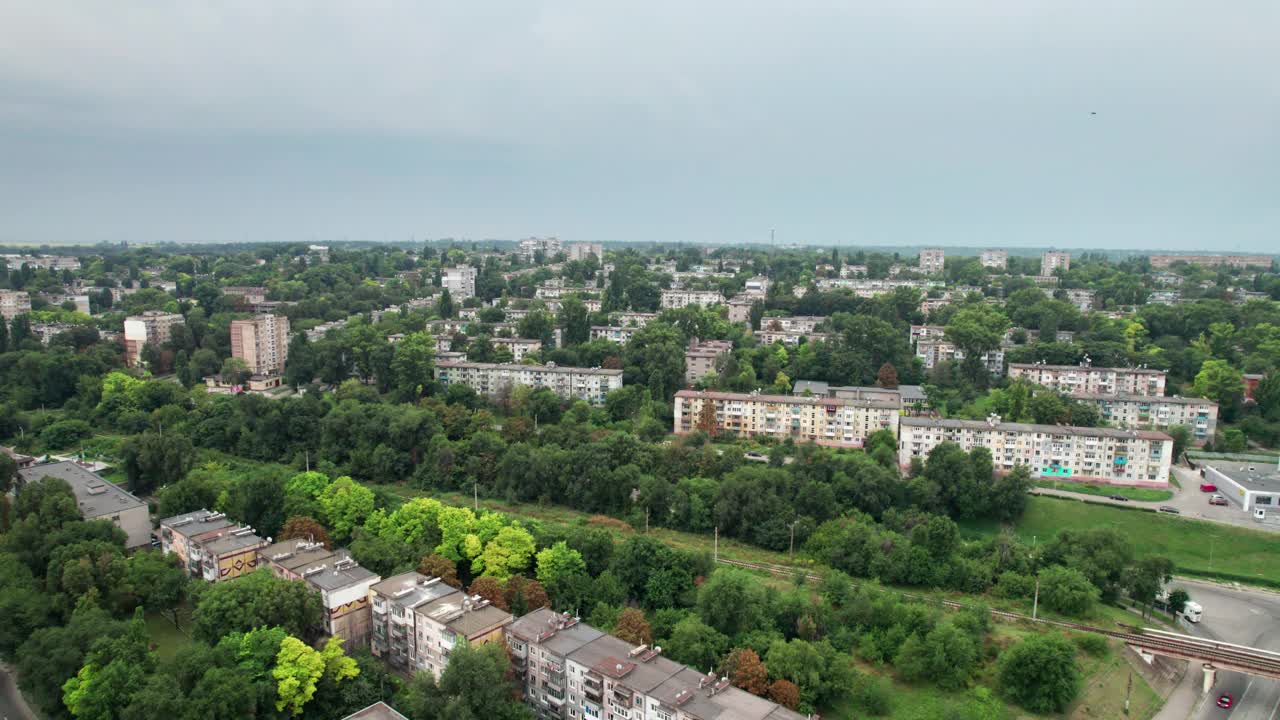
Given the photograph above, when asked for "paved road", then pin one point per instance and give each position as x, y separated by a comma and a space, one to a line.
1247, 617
12, 705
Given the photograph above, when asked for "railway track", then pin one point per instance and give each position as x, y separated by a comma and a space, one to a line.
1159, 642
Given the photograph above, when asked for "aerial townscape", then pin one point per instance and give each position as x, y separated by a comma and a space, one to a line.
577, 480
564, 360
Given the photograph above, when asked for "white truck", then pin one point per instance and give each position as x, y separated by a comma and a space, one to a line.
1191, 610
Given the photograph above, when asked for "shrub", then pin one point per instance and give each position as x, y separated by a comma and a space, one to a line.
1095, 645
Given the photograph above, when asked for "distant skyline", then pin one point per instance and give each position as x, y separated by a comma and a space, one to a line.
876, 123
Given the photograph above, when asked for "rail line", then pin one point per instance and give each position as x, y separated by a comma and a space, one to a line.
1159, 642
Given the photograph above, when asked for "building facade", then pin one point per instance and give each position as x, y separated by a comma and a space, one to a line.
1235, 261
1146, 412
839, 422
932, 261
700, 358
518, 347
459, 281
1051, 261
613, 333
582, 251
419, 620
152, 327
98, 499
1089, 380
531, 246
572, 671
1116, 457
570, 383
342, 584
994, 259
262, 342
14, 303
684, 298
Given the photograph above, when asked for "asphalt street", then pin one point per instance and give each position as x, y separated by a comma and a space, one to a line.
1246, 617
12, 706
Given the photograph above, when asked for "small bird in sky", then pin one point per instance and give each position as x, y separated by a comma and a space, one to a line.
1093, 113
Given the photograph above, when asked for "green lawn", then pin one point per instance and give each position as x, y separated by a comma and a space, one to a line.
167, 638
1141, 494
1196, 547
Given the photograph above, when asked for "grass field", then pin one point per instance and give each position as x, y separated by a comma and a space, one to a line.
167, 638
1140, 494
1195, 547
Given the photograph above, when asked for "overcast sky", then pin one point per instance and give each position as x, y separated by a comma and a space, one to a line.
851, 122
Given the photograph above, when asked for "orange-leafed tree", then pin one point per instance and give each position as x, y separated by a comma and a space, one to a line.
633, 627
747, 671
441, 567
785, 693
301, 527
490, 589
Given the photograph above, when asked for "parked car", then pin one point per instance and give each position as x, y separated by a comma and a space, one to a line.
1208, 487
1217, 500
1118, 498
1226, 701
1169, 509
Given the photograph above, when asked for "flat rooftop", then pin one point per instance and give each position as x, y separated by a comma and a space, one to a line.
412, 589
563, 642
1258, 476
1086, 368
787, 399
513, 367
196, 523
95, 496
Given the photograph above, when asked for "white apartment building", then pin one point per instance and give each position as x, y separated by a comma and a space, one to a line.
1116, 457
633, 319
1236, 261
613, 333
790, 338
262, 342
531, 245
1145, 412
1051, 261
48, 262
572, 671
152, 327
684, 298
1089, 380
459, 281
740, 309
570, 383
932, 261
838, 422
519, 347
14, 303
1083, 299
419, 620
793, 323
994, 259
927, 332
582, 251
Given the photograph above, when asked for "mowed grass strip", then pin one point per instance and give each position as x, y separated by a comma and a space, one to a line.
1133, 493
1196, 547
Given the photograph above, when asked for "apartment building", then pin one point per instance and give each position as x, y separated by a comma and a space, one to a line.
319, 252
932, 261
518, 347
839, 422
1083, 299
927, 332
531, 246
459, 281
418, 620
790, 338
1235, 261
570, 383
582, 251
1145, 412
180, 532
1090, 380
633, 319
740, 308
1051, 261
1105, 455
907, 398
700, 358
342, 583
262, 342
934, 352
98, 499
152, 327
684, 298
47, 262
994, 259
570, 670
613, 333
81, 302
14, 303
251, 295
758, 286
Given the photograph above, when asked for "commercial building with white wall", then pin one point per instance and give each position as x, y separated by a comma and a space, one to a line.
1102, 455
1252, 486
1089, 380
831, 421
570, 383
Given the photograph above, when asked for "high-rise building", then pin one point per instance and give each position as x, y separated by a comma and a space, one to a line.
152, 327
581, 251
1051, 261
14, 303
994, 259
531, 246
459, 281
262, 342
932, 261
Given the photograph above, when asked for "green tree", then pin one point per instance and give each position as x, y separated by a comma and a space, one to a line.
1040, 673
235, 371
1067, 591
507, 553
299, 667
346, 505
576, 322
733, 602
445, 306
412, 364
945, 656
557, 565
1147, 578
976, 330
1219, 381
695, 643
256, 600
156, 581
154, 460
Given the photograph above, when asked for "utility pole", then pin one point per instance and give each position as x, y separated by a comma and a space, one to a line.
1035, 604
791, 550
716, 555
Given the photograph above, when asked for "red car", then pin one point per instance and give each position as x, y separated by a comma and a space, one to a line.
1208, 487
1226, 701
